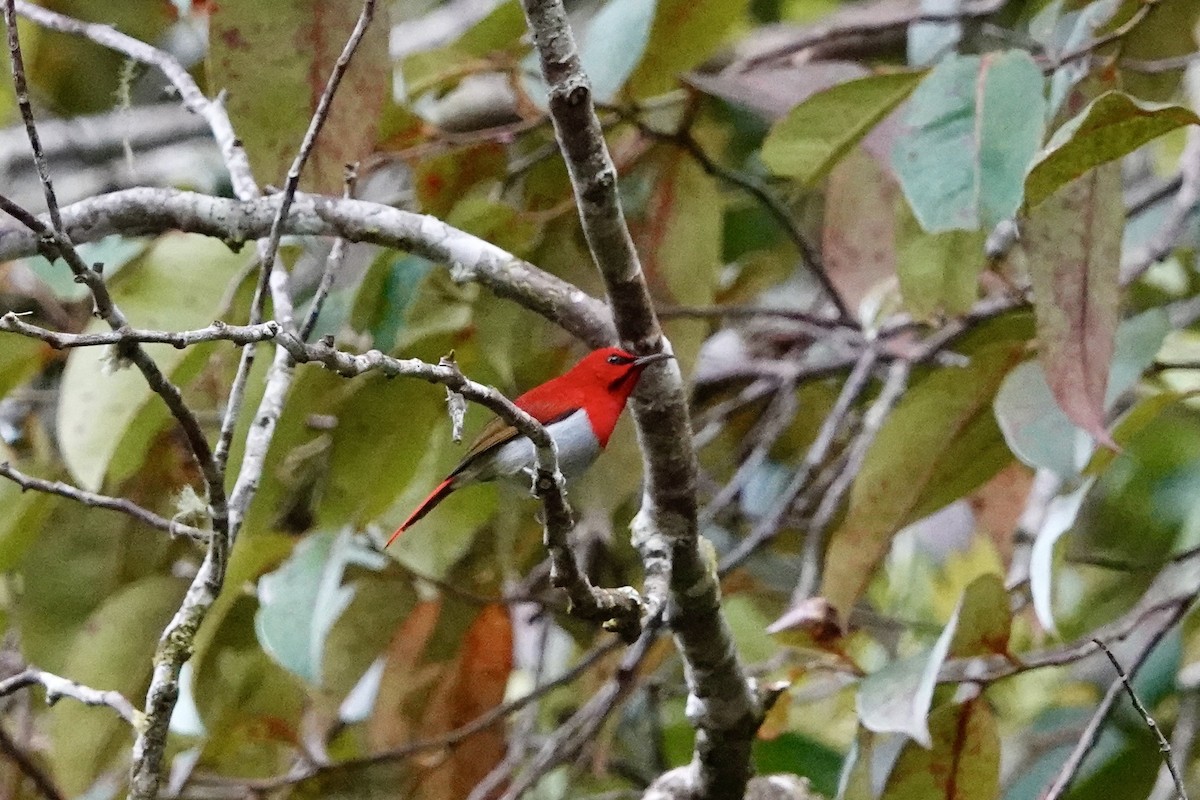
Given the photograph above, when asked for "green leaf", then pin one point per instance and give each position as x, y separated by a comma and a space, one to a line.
685, 32
300, 601
296, 44
614, 43
974, 125
896, 698
1073, 247
1038, 432
982, 621
938, 272
1113, 125
681, 235
250, 707
19, 361
816, 134
22, 520
939, 443
962, 764
112, 651
107, 415
1168, 31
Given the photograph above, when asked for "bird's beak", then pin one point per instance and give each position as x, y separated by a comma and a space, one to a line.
642, 361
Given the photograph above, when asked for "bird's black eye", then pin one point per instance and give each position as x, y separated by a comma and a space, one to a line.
614, 359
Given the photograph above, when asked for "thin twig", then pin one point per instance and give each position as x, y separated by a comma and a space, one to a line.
22, 90
128, 507
754, 187
217, 332
1175, 224
1087, 740
58, 688
1182, 738
190, 94
451, 738
1085, 51
333, 265
43, 782
1164, 746
814, 543
818, 451
292, 183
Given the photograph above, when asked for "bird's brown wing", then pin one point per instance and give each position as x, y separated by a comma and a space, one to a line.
495, 434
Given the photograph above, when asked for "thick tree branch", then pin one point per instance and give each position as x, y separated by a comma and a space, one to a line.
722, 703
145, 211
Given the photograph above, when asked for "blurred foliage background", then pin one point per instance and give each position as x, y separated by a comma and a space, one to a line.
980, 526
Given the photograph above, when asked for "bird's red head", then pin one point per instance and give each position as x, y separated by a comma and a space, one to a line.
612, 371
600, 383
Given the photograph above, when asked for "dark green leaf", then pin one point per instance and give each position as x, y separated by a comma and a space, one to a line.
1112, 126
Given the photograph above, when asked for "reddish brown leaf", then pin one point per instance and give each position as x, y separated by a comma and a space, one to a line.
1073, 243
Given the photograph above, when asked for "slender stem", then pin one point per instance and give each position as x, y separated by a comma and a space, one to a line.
127, 507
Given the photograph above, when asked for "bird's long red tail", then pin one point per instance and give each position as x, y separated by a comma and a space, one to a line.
436, 496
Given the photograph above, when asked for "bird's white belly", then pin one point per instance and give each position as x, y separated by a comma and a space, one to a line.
577, 449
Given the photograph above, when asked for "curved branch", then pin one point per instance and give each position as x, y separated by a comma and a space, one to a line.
145, 211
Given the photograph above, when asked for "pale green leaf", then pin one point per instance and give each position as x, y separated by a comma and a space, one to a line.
973, 127
300, 602
1038, 432
614, 43
107, 414
938, 272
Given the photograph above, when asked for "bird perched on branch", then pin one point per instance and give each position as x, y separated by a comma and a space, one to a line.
579, 408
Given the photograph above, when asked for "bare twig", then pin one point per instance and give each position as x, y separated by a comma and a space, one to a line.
1182, 738
43, 782
818, 451
1115, 35
814, 543
333, 265
292, 183
217, 332
754, 187
211, 112
1164, 746
1175, 223
1087, 739
57, 688
128, 507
